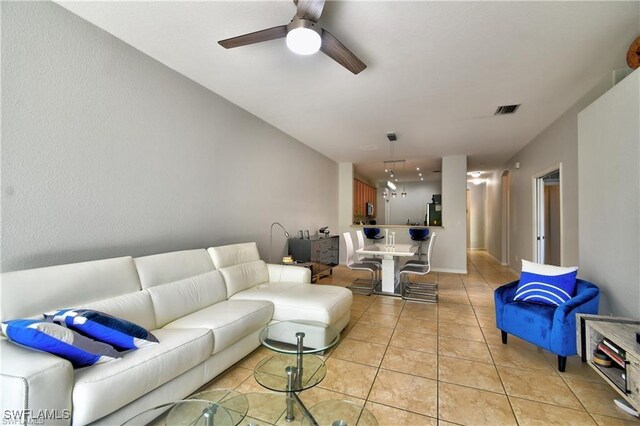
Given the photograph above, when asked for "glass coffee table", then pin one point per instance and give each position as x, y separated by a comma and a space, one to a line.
215, 407
294, 368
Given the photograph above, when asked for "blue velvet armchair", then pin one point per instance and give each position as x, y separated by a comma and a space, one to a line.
550, 327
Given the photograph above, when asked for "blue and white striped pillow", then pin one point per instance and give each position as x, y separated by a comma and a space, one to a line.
53, 338
546, 284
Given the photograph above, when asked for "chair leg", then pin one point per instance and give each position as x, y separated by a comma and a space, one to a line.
504, 337
562, 363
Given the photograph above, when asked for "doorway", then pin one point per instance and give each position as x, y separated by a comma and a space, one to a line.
505, 216
548, 230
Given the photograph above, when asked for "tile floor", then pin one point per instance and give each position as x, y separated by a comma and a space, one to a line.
414, 363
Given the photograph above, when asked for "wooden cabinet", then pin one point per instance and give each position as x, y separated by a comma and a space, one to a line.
620, 333
322, 253
363, 194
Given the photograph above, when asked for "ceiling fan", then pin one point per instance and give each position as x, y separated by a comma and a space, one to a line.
303, 37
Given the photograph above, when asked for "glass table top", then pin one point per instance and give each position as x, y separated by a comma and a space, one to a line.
281, 336
227, 407
271, 372
340, 413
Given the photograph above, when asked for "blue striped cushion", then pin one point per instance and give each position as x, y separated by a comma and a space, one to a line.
546, 284
52, 338
119, 333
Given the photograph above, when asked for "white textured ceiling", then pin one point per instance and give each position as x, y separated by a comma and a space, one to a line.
436, 70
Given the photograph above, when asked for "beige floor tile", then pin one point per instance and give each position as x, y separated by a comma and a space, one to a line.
485, 311
612, 421
421, 364
371, 333
455, 308
460, 332
380, 320
385, 309
532, 385
494, 338
251, 360
386, 415
474, 351
406, 392
535, 413
360, 351
469, 373
468, 406
348, 378
389, 300
266, 407
460, 319
418, 325
231, 378
517, 357
454, 299
414, 341
597, 398
487, 322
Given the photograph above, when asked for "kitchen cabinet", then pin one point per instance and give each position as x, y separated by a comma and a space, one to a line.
363, 194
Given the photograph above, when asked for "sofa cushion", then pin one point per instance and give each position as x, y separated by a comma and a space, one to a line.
135, 307
245, 275
322, 303
117, 332
104, 388
65, 285
177, 299
55, 339
230, 320
165, 268
234, 254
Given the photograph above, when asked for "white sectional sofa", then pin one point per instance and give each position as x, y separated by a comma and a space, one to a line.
206, 307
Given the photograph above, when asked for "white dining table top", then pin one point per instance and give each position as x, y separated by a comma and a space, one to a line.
397, 250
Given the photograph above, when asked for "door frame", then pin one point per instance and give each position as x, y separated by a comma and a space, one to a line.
505, 195
538, 213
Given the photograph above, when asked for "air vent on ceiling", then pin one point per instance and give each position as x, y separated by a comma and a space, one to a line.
506, 109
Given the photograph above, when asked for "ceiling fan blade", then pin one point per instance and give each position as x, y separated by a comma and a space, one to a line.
309, 9
337, 51
255, 37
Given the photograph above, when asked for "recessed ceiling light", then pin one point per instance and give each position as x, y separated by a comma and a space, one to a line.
475, 174
419, 174
418, 168
421, 178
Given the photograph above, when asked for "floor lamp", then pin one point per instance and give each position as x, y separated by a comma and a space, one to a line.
286, 234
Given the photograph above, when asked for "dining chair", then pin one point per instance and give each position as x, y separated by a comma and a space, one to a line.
360, 236
426, 292
359, 266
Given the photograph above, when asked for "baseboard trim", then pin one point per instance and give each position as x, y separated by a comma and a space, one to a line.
497, 260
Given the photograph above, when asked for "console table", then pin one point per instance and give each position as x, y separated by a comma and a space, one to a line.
321, 253
621, 334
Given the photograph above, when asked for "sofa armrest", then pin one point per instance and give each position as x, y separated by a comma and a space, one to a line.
288, 273
34, 381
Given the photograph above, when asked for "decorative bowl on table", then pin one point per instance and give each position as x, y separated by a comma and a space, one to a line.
372, 233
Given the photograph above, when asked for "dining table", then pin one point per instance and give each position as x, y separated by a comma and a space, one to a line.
390, 256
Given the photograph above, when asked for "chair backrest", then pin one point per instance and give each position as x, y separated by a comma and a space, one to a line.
432, 240
348, 242
360, 236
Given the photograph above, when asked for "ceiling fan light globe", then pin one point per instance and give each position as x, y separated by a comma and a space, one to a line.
303, 41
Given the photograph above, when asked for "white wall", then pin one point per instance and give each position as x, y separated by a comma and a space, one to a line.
414, 206
106, 152
477, 209
450, 249
493, 215
558, 143
609, 160
345, 203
